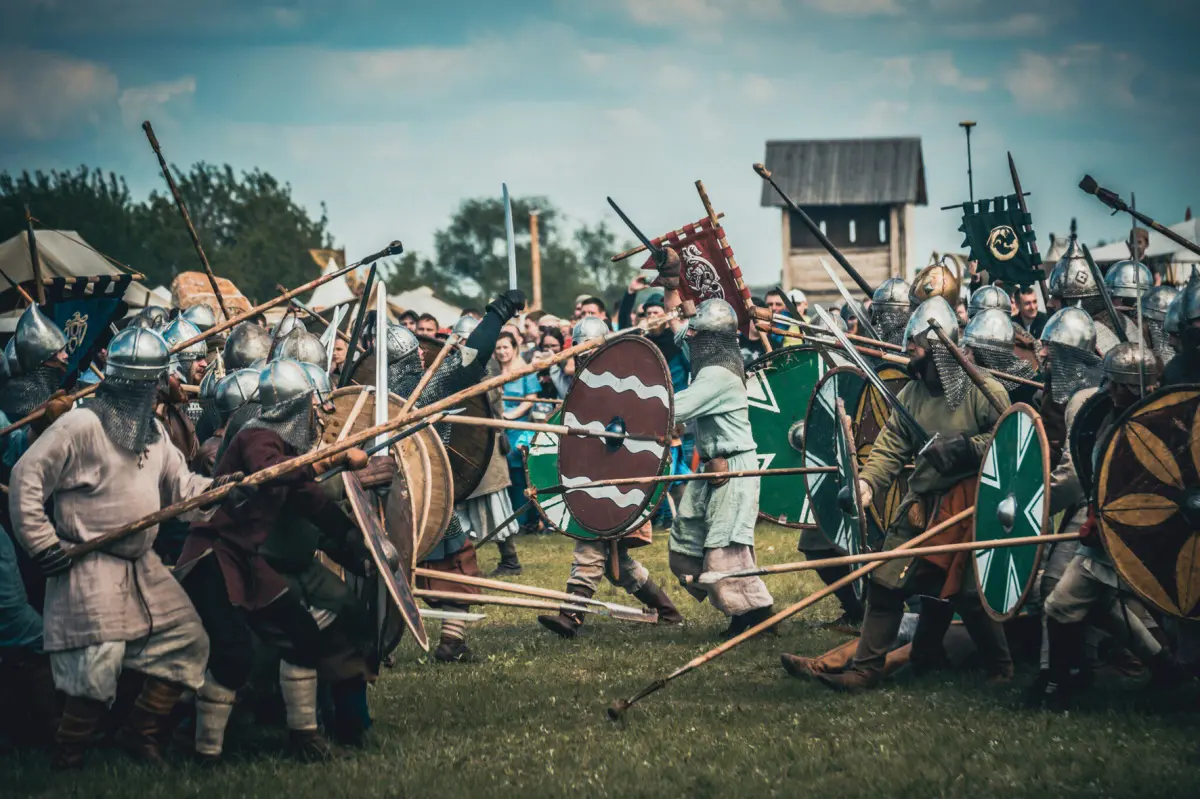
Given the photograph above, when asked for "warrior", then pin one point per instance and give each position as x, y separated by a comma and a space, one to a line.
945, 403
713, 528
461, 368
231, 393
187, 367
1090, 587
1155, 304
591, 559
1127, 282
247, 344
103, 466
302, 346
1185, 366
990, 337
987, 298
40, 354
236, 591
890, 309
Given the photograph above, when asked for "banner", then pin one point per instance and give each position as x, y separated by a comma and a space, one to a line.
1001, 239
83, 308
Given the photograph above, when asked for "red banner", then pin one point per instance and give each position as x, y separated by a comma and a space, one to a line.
705, 271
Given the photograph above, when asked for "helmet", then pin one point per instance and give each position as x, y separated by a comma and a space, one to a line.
180, 331
588, 328
201, 315
300, 345
918, 328
1157, 300
988, 297
1123, 363
10, 358
1172, 322
465, 326
797, 296
152, 317
235, 390
989, 327
37, 339
400, 343
286, 325
714, 315
137, 354
853, 309
318, 377
1071, 327
935, 280
1128, 279
281, 382
1076, 281
246, 344
208, 383
892, 292
1189, 300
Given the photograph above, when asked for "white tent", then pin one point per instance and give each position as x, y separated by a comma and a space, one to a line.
422, 300
63, 253
335, 292
1160, 248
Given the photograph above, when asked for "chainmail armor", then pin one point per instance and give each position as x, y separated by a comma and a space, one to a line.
1072, 370
126, 412
404, 375
26, 392
890, 323
292, 421
1159, 341
1004, 360
710, 348
954, 379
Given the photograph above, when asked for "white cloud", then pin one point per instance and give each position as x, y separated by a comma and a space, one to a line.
152, 100
669, 13
1053, 84
857, 8
1020, 24
46, 95
758, 89
942, 70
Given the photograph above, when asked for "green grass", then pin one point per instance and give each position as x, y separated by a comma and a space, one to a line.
528, 719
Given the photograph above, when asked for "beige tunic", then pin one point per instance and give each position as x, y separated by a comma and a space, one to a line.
96, 487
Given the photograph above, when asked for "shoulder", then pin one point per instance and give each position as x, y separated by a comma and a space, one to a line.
994, 385
1076, 402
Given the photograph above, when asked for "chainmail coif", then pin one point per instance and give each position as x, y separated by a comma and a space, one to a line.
293, 421
126, 412
1159, 341
1071, 370
26, 392
954, 379
1004, 360
890, 323
710, 348
404, 375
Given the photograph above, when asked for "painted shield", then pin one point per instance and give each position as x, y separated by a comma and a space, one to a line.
396, 583
1148, 499
625, 386
827, 443
1084, 437
868, 419
541, 471
1013, 501
779, 386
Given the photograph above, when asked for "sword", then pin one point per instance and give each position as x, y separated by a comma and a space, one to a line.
508, 233
381, 360
874, 379
329, 337
1118, 325
864, 323
461, 615
660, 254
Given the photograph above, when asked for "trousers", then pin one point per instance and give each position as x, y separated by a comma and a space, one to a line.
592, 560
732, 596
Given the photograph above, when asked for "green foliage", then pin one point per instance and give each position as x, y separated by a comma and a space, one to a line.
527, 720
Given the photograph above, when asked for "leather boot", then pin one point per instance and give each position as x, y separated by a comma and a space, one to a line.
744, 621
854, 678
566, 624
1066, 658
833, 661
80, 719
309, 746
510, 564
147, 722
653, 597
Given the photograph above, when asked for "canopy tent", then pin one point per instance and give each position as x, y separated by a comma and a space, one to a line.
422, 300
337, 291
62, 253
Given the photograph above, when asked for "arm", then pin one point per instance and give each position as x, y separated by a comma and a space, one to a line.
261, 449
1065, 488
986, 416
708, 394
178, 482
892, 451
34, 479
625, 311
514, 411
480, 345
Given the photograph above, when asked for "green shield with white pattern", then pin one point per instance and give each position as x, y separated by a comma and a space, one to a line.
826, 444
1013, 502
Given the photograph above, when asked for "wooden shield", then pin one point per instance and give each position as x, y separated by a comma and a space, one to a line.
868, 419
625, 383
779, 387
541, 471
1084, 437
1148, 499
396, 583
827, 443
1013, 501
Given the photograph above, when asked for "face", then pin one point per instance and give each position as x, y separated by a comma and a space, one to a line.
550, 344
196, 373
531, 330
1029, 305
427, 327
591, 309
504, 351
961, 312
655, 312
775, 303
852, 325
802, 307
409, 323
340, 348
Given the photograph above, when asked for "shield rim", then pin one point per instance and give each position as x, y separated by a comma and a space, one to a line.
761, 362
1108, 444
1074, 435
1044, 441
852, 450
612, 533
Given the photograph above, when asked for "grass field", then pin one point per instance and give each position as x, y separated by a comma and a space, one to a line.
527, 719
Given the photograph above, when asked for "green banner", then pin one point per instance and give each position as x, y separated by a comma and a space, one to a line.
1001, 239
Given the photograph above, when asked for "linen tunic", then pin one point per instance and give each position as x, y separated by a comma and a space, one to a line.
119, 593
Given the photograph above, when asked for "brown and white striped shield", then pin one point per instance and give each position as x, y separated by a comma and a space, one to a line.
624, 387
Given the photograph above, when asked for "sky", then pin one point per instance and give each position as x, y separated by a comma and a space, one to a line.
391, 113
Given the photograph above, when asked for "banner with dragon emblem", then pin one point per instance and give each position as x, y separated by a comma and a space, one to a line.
705, 271
1001, 239
83, 308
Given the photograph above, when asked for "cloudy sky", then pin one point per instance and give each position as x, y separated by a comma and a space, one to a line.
391, 112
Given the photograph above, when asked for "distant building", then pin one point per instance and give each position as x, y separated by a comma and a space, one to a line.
861, 192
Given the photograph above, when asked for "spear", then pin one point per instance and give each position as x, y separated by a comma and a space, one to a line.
1113, 201
557, 429
617, 709
650, 617
518, 588
684, 478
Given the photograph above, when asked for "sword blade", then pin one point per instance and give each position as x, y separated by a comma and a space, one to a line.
1118, 326
660, 257
381, 358
864, 323
510, 236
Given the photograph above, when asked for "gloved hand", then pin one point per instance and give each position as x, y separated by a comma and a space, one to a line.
238, 496
668, 273
354, 459
379, 472
845, 497
1089, 531
951, 455
58, 404
53, 561
508, 304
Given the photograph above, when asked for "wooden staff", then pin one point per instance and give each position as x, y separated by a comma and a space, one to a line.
20, 289
708, 578
321, 453
650, 617
1113, 201
517, 588
618, 708
723, 243
997, 404
621, 256
765, 315
557, 429
415, 394
187, 219
538, 401
685, 478
34, 259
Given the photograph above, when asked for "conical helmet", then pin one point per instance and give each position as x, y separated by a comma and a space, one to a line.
37, 339
919, 330
282, 382
588, 328
302, 346
1071, 327
201, 315
1123, 363
935, 280
989, 327
137, 354
179, 331
235, 390
1128, 279
1157, 300
1075, 281
988, 297
891, 293
246, 344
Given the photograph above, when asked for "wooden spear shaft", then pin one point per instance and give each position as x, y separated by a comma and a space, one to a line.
517, 588
999, 405
321, 453
621, 256
311, 314
187, 219
618, 708
684, 478
557, 429
723, 243
412, 398
515, 602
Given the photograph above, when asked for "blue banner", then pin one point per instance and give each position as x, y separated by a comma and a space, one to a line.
83, 308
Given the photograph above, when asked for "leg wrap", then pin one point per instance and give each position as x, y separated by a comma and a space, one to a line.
214, 704
299, 686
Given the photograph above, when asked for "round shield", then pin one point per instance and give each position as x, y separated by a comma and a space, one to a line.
1084, 436
541, 471
1013, 501
779, 386
827, 443
624, 387
1148, 499
868, 419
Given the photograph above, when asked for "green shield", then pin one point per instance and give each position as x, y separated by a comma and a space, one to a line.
541, 471
826, 444
779, 386
1013, 502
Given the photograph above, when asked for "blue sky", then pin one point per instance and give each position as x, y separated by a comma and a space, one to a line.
393, 112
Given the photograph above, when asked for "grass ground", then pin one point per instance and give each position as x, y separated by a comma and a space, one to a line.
527, 719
